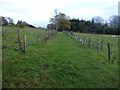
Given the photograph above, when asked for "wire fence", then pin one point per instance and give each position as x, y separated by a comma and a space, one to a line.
35, 39
97, 45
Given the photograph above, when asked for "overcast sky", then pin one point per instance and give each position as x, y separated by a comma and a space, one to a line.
38, 12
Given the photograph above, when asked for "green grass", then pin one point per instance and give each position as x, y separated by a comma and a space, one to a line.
70, 63
106, 39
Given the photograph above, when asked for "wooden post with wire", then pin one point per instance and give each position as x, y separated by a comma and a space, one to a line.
101, 44
19, 41
109, 52
84, 41
97, 45
24, 48
89, 43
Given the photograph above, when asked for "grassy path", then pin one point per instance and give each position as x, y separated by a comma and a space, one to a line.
77, 66
70, 65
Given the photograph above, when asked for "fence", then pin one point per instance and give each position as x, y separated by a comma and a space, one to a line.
23, 47
92, 44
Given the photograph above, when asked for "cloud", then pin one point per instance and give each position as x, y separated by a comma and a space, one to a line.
87, 12
38, 11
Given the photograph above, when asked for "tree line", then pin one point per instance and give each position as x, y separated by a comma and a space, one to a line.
4, 21
96, 25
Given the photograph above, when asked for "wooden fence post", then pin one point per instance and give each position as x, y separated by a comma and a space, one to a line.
73, 36
19, 43
24, 43
97, 45
84, 41
79, 40
48, 32
101, 44
89, 43
109, 52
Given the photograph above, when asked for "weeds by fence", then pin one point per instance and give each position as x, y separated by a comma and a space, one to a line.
49, 34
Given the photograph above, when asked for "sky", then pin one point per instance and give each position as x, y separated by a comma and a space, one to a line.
39, 12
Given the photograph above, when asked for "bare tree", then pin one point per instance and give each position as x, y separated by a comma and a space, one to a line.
114, 24
114, 21
98, 20
10, 20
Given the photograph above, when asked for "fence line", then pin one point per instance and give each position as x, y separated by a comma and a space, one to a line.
23, 47
98, 44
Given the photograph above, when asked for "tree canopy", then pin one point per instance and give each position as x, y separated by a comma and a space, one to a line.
60, 21
97, 25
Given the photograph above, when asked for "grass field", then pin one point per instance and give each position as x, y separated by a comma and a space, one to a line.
69, 64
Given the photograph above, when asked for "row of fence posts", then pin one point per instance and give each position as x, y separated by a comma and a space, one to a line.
79, 39
22, 49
